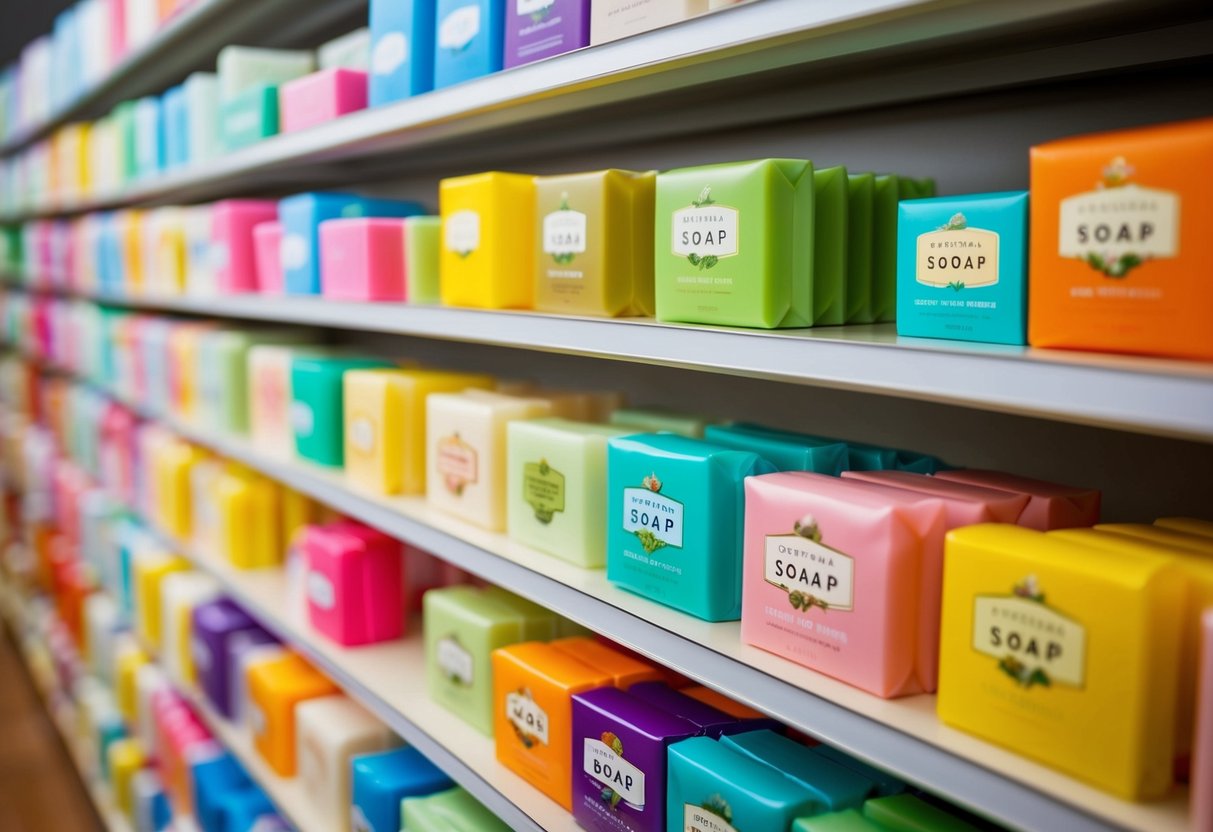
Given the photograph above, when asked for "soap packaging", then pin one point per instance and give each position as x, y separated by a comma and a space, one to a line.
215, 624
245, 650
275, 688
785, 451
202, 115
708, 720
555, 484
232, 250
902, 811
614, 19
533, 686
834, 787
1043, 637
354, 583
962, 267
487, 256
249, 117
200, 266
148, 572
674, 521
330, 731
270, 396
362, 258
321, 97
222, 375
466, 443
212, 778
1050, 505
241, 68
594, 238
422, 252
537, 29
625, 669
301, 216
885, 196
831, 215
181, 593
349, 51
648, 420
827, 565
317, 405
267, 264
734, 244
619, 761
382, 779
469, 40
1117, 233
247, 507
451, 809
1202, 745
402, 50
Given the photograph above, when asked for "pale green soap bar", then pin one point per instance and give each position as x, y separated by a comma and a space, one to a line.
848, 820
908, 813
830, 246
861, 192
884, 248
422, 241
222, 373
734, 244
538, 622
556, 487
241, 68
454, 810
658, 421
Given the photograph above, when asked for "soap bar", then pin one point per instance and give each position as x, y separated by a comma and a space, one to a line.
149, 802
469, 40
270, 395
754, 719
330, 731
320, 97
708, 721
248, 507
533, 686
181, 592
149, 570
623, 669
222, 375
861, 193
787, 453
355, 583
232, 250
885, 783
834, 787
422, 252
248, 118
242, 68
385, 424
1050, 505
317, 405
349, 51
149, 138
402, 50
381, 780
214, 626
658, 421
538, 622
212, 779
912, 813
200, 266
202, 115
556, 484
448, 810
594, 232
619, 761
466, 444
1118, 232
275, 689
487, 233
827, 563
1043, 637
831, 209
537, 29
740, 244
267, 241
884, 247
615, 19
674, 521
363, 259
713, 787
962, 267
125, 759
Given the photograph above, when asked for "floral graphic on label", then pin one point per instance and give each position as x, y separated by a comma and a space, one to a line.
603, 760
812, 574
459, 28
1034, 644
655, 519
543, 490
564, 233
705, 232
461, 232
457, 463
454, 661
1120, 225
713, 815
955, 256
530, 721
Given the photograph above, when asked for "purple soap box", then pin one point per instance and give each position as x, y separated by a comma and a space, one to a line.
537, 29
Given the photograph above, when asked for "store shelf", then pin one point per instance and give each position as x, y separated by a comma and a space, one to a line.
187, 42
680, 79
902, 736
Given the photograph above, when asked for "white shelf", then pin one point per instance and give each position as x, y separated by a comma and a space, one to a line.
902, 736
959, 46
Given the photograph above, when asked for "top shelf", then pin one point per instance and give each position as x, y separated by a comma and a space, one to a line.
782, 58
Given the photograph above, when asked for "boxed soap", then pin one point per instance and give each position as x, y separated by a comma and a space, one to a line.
149, 570
615, 19
181, 593
1119, 226
624, 669
537, 29
594, 237
487, 257
214, 626
831, 212
1043, 639
248, 118
349, 51
317, 405
402, 50
962, 267
248, 506
885, 783
786, 452
444, 811
320, 97
270, 396
267, 264
275, 689
422, 252
381, 780
232, 251
1050, 505
887, 191
363, 259
469, 40
202, 115
241, 68
674, 521
354, 583
212, 778
834, 787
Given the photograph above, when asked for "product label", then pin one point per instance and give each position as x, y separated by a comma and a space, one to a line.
459, 28
390, 53
362, 434
533, 7
564, 235
271, 393
461, 232
457, 463
302, 419
705, 232
320, 590
606, 765
543, 489
958, 257
292, 251
1033, 643
654, 518
700, 819
454, 661
529, 720
1119, 225
813, 575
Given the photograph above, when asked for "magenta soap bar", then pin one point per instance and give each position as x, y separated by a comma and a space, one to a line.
267, 245
354, 582
232, 223
320, 97
1050, 505
832, 578
362, 258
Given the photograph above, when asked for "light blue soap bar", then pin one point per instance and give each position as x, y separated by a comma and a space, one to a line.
962, 267
402, 49
469, 40
675, 515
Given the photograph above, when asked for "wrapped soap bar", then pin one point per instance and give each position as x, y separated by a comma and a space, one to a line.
320, 97
275, 689
1050, 505
213, 778
402, 50
658, 421
270, 395
834, 787
422, 252
831, 189
349, 51
181, 593
623, 669
1042, 637
740, 244
884, 783
222, 376
247, 508
556, 484
202, 115
673, 521
594, 249
619, 761
362, 258
214, 626
267, 263
708, 721
861, 193
148, 572
232, 249
487, 240
827, 561
381, 780
821, 456
355, 583
317, 405
470, 40
884, 248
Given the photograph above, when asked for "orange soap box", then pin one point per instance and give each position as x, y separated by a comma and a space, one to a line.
1121, 244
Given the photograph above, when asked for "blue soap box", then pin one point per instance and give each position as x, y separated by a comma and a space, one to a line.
402, 50
469, 40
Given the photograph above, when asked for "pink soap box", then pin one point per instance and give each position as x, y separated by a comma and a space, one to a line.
267, 247
354, 582
362, 258
233, 221
320, 97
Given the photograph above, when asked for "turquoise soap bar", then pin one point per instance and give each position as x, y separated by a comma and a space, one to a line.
859, 456
962, 267
248, 118
675, 510
821, 456
318, 406
886, 784
834, 786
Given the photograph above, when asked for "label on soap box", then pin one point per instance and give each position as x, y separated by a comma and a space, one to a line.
457, 463
957, 257
454, 661
1033, 643
705, 232
813, 575
320, 590
529, 720
292, 252
605, 763
1116, 228
534, 7
301, 418
390, 53
362, 434
461, 232
459, 28
543, 490
653, 517
564, 234
705, 819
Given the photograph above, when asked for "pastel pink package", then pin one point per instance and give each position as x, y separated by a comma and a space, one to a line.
232, 223
1051, 505
320, 97
362, 258
267, 246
